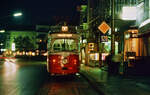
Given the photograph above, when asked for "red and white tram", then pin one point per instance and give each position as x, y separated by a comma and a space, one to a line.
63, 53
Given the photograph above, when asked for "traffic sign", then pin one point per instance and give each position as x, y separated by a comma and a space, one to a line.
103, 27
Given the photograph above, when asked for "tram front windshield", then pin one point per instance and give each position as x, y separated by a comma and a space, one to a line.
60, 45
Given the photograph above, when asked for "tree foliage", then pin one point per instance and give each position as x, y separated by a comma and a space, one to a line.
24, 43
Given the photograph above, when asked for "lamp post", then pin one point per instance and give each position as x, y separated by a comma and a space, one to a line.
112, 29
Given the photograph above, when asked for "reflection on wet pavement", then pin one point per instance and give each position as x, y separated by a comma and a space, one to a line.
8, 83
65, 85
18, 79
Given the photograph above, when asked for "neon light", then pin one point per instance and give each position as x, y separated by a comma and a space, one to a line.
129, 13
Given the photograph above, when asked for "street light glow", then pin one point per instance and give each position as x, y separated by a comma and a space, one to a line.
17, 14
2, 31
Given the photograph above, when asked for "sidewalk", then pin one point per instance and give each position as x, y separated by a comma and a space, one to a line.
118, 84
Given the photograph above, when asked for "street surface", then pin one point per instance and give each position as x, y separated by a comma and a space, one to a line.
117, 84
26, 77
22, 77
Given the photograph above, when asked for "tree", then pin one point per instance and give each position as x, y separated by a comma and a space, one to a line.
24, 43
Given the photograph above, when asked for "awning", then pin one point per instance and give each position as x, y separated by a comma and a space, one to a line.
145, 29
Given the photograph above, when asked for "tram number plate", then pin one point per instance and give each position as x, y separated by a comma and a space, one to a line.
65, 68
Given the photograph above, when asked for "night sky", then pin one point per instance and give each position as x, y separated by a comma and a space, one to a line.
46, 12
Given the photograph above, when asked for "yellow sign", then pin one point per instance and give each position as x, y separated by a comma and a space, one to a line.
103, 27
91, 46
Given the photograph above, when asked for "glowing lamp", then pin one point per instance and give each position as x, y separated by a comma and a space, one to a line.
129, 13
17, 14
64, 28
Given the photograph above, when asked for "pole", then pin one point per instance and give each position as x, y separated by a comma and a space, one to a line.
88, 13
112, 28
88, 19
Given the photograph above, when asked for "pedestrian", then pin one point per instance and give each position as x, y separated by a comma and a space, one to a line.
109, 63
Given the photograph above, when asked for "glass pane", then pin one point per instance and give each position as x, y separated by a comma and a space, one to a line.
65, 45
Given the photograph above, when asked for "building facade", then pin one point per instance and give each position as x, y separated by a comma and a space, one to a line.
100, 10
127, 14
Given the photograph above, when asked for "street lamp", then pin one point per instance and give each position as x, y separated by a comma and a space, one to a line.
17, 14
14, 15
112, 28
2, 31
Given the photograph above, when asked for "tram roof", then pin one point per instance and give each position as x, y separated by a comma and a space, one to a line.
61, 32
57, 29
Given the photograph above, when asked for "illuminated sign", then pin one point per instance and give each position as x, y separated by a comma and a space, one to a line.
104, 38
64, 35
64, 28
13, 47
129, 13
90, 46
103, 57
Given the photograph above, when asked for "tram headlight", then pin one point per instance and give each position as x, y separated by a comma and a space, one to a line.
75, 61
54, 60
